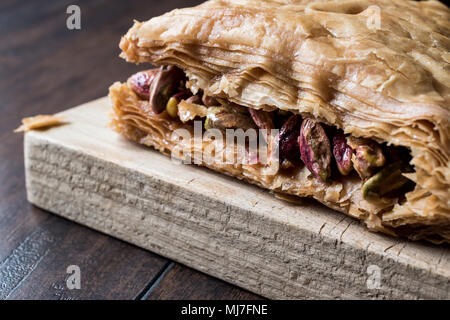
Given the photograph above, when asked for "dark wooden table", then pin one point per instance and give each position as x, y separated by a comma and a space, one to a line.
46, 68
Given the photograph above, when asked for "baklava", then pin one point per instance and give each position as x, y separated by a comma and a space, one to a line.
357, 94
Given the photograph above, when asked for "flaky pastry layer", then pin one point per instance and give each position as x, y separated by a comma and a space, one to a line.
133, 118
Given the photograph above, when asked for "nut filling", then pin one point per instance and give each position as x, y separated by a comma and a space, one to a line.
327, 152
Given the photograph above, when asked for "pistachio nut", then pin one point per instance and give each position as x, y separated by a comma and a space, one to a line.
221, 118
263, 119
140, 82
289, 151
315, 150
172, 104
172, 107
342, 153
386, 181
367, 156
164, 85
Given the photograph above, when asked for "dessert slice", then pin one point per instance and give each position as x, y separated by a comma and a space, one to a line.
354, 116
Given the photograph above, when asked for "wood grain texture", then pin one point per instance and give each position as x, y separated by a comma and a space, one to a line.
218, 225
109, 269
179, 283
46, 68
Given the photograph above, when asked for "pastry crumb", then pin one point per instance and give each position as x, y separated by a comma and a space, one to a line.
39, 122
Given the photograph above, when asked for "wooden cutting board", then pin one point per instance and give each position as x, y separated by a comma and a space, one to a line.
229, 229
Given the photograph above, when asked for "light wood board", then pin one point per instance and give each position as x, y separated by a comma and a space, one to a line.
221, 226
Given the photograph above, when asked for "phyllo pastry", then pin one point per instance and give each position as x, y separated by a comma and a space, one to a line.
351, 100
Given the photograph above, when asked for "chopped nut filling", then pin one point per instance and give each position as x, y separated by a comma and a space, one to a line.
326, 151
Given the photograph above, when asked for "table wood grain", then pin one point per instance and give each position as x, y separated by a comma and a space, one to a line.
178, 283
46, 68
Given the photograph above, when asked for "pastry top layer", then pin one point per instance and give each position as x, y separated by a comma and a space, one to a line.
376, 68
405, 55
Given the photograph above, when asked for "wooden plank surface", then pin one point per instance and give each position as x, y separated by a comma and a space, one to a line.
177, 284
45, 68
107, 270
216, 224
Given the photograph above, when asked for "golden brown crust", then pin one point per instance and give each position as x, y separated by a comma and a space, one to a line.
390, 83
